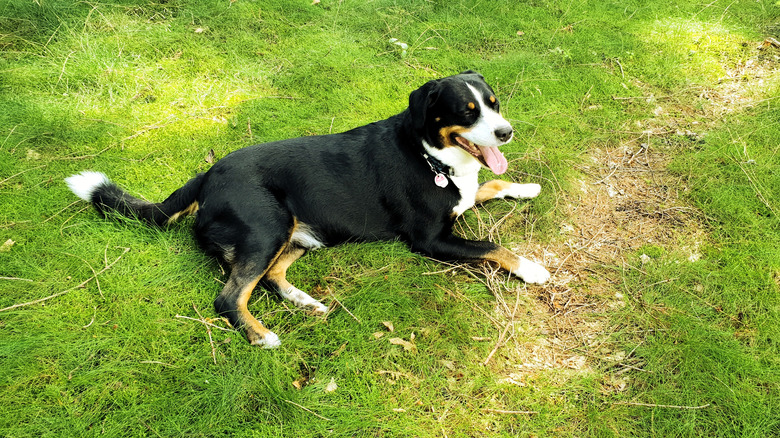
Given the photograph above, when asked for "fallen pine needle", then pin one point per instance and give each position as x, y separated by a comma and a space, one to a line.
157, 362
202, 321
15, 278
211, 339
82, 284
502, 336
308, 410
347, 310
651, 405
501, 411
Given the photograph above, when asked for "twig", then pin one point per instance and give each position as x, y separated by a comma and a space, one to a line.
70, 374
14, 278
80, 285
63, 66
83, 157
308, 410
606, 177
347, 310
651, 405
171, 120
473, 305
94, 313
17, 174
202, 321
157, 362
211, 339
9, 136
501, 337
501, 411
55, 214
97, 283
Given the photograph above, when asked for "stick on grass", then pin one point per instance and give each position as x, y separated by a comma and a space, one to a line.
308, 410
82, 284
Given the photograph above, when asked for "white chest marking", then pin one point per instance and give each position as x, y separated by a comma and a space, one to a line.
465, 169
468, 186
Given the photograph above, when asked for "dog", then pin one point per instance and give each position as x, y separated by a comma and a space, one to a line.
408, 177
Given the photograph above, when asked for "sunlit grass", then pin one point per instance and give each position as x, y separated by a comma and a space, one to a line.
143, 91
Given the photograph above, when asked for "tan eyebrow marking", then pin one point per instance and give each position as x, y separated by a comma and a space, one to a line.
472, 105
492, 99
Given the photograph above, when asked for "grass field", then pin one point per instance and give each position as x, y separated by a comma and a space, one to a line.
653, 128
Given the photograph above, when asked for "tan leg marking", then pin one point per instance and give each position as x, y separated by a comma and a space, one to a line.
278, 275
278, 271
528, 271
256, 332
505, 258
490, 189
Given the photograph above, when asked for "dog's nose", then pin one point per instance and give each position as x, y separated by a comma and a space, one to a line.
504, 133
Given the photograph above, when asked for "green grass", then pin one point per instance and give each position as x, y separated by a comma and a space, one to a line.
143, 90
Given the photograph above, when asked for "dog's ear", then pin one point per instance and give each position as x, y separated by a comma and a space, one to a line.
420, 100
472, 72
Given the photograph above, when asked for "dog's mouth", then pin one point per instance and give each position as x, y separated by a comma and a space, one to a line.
489, 156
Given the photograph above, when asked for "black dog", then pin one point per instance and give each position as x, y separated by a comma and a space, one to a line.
408, 177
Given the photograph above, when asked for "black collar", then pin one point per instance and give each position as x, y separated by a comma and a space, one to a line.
437, 166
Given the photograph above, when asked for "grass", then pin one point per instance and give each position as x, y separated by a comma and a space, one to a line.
143, 91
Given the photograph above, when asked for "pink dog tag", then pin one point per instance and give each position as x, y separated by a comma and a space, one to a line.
441, 180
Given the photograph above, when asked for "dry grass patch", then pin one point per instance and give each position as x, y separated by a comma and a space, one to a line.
627, 200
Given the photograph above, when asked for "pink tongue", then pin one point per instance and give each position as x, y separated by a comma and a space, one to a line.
494, 159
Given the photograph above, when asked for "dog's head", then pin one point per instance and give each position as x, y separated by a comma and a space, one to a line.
459, 120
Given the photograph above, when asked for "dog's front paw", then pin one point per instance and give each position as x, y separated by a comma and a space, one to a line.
317, 308
531, 272
268, 340
520, 191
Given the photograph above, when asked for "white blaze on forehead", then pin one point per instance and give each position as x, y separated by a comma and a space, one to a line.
483, 132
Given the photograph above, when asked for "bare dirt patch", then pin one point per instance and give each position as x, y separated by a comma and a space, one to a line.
626, 200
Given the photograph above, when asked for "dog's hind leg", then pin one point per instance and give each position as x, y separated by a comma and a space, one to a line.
232, 303
277, 279
497, 189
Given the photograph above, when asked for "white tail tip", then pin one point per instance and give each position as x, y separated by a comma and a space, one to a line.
85, 183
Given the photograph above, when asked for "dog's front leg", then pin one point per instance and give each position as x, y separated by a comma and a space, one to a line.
455, 248
497, 189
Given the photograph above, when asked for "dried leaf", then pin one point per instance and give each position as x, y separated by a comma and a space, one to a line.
389, 325
297, 384
378, 334
6, 247
339, 350
408, 346
210, 157
331, 386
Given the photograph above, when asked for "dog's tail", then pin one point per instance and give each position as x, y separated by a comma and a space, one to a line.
106, 196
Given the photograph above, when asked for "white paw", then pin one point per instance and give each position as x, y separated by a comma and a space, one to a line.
317, 308
531, 272
303, 300
520, 191
270, 340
